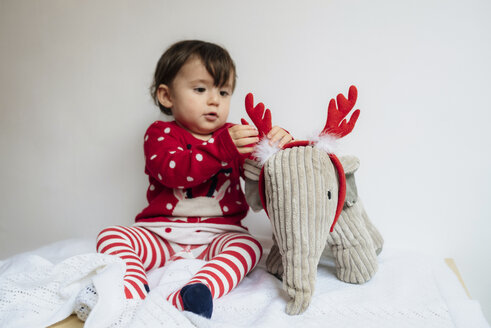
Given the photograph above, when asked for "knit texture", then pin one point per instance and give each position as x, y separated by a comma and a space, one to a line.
411, 289
194, 185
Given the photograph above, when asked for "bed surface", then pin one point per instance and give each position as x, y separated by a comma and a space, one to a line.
37, 289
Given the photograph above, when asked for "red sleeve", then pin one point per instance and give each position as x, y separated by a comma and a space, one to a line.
170, 161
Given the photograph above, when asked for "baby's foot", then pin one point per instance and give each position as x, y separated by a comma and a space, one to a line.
85, 302
197, 298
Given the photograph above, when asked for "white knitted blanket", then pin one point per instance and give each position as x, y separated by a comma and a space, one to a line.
38, 289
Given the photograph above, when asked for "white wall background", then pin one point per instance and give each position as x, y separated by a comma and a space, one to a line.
74, 105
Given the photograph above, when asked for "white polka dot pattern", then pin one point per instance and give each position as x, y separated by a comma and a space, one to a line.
186, 164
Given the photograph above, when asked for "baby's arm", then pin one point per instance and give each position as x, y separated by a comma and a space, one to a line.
177, 165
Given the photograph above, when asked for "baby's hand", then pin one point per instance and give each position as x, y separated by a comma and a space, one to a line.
244, 137
278, 134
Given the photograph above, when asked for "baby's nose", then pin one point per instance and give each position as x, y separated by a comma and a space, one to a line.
214, 98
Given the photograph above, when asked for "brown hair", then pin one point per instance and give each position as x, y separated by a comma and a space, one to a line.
215, 58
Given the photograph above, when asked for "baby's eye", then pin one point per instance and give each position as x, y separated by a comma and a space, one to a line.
200, 90
224, 93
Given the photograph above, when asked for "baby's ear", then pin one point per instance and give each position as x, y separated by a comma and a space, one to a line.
164, 96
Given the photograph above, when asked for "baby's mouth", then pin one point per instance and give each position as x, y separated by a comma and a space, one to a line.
211, 116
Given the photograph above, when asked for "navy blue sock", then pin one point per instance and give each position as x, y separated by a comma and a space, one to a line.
197, 298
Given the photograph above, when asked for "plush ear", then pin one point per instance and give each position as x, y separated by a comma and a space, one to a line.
350, 165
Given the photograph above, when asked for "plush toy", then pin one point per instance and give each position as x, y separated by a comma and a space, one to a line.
311, 199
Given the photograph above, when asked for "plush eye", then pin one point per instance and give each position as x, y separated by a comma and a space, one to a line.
329, 194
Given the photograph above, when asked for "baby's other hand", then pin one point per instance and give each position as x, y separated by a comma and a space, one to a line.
279, 134
244, 137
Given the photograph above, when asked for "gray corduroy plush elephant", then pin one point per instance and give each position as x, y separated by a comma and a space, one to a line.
311, 199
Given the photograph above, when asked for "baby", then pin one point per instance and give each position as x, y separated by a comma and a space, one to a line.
194, 165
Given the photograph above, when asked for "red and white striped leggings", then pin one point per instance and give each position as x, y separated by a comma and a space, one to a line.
231, 256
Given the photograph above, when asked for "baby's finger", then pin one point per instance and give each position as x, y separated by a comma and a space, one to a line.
240, 131
239, 127
245, 133
273, 131
286, 139
246, 141
245, 150
276, 137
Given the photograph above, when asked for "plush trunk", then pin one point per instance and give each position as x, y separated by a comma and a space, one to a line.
297, 182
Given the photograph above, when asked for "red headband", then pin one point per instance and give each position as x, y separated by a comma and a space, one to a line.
336, 126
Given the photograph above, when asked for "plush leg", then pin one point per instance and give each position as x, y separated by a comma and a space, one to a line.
274, 263
141, 251
378, 241
231, 257
352, 247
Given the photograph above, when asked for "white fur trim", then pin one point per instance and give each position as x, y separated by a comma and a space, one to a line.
326, 142
263, 150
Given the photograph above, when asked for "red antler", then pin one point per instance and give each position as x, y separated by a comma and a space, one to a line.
336, 124
260, 117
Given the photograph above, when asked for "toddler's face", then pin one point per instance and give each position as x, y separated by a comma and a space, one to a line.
197, 105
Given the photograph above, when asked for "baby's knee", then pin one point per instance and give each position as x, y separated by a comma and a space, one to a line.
250, 241
110, 235
257, 244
